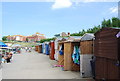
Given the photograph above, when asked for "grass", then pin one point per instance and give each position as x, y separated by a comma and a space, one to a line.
24, 44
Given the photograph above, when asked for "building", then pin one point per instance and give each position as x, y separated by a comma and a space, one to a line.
63, 34
33, 38
36, 37
16, 38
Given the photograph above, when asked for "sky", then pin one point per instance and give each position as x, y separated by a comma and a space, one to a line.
50, 18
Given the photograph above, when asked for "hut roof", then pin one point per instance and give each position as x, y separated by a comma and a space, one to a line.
61, 38
73, 39
87, 36
46, 42
107, 28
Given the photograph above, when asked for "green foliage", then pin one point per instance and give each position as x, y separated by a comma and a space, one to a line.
75, 34
4, 38
26, 39
108, 23
57, 35
33, 46
114, 22
46, 40
103, 23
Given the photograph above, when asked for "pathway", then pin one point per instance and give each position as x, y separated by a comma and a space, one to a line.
35, 66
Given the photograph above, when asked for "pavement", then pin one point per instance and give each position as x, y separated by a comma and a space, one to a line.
35, 65
0, 74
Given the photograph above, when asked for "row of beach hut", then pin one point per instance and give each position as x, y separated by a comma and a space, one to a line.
94, 55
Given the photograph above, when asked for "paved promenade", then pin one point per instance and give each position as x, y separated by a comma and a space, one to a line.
35, 66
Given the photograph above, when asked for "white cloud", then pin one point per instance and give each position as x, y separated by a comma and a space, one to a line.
113, 10
61, 4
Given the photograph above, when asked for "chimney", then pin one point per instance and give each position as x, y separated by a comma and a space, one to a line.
68, 33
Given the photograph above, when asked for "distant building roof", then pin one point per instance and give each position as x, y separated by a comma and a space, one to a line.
63, 34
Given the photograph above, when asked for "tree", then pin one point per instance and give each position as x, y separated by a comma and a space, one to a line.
75, 34
104, 23
108, 23
57, 35
26, 39
4, 38
115, 22
46, 40
119, 23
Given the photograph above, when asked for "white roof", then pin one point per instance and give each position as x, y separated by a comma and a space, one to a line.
46, 42
60, 38
74, 38
87, 36
4, 47
16, 45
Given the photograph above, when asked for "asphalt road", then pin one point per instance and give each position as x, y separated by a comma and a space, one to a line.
35, 66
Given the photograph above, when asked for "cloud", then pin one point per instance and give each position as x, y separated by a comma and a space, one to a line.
61, 4
113, 10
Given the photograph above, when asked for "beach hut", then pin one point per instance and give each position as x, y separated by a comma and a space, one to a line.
43, 48
61, 51
68, 57
107, 52
47, 48
40, 48
72, 53
86, 48
52, 50
36, 48
56, 47
71, 56
0, 57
